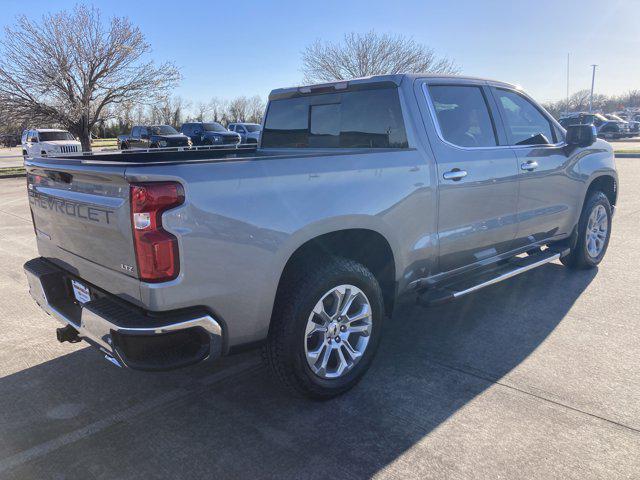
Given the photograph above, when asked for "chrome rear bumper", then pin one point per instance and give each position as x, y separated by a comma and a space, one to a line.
127, 335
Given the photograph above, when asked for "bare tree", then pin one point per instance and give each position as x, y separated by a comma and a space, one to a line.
73, 69
169, 111
218, 110
201, 111
255, 109
579, 102
238, 110
361, 55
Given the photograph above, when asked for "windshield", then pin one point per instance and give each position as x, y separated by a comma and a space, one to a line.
214, 127
53, 136
615, 117
252, 128
163, 130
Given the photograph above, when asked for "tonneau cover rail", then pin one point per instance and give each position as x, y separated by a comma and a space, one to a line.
144, 155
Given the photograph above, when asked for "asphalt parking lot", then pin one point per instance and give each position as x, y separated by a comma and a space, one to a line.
534, 378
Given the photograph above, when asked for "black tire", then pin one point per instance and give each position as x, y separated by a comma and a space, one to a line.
284, 352
579, 257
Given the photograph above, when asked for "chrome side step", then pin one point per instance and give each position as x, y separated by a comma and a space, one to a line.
472, 283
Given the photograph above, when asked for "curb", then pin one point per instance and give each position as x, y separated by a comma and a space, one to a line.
627, 155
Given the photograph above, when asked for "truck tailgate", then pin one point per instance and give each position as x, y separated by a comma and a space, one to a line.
81, 215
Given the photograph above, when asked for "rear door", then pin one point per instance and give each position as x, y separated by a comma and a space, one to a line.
477, 174
548, 190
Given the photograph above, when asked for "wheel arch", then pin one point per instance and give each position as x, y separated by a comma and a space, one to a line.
364, 245
607, 184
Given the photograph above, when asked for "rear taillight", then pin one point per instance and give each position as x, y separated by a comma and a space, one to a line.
156, 249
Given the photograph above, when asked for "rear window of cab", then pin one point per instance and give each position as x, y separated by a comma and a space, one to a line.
353, 119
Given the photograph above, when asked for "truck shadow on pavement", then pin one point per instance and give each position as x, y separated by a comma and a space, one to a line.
79, 417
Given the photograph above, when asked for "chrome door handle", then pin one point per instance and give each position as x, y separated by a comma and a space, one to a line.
529, 166
456, 174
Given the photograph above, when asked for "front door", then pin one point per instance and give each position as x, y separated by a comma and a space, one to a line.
477, 174
134, 139
548, 189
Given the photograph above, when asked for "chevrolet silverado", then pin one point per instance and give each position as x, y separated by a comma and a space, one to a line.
359, 191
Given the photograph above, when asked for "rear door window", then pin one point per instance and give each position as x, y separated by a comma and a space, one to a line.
463, 115
525, 123
353, 119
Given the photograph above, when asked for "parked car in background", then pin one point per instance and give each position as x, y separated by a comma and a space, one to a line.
209, 133
361, 190
630, 129
249, 132
605, 128
41, 142
612, 130
153, 136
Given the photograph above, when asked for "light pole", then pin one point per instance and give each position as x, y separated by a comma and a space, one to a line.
593, 81
567, 105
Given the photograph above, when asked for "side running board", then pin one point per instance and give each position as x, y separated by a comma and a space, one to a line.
474, 282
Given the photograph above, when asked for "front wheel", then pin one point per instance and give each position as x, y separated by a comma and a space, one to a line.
594, 232
326, 329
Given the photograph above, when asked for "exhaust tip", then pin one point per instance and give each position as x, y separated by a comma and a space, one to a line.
67, 334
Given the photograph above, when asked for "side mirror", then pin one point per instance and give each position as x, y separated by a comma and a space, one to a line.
581, 135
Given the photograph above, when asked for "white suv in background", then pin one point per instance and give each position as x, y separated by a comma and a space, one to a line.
48, 141
249, 132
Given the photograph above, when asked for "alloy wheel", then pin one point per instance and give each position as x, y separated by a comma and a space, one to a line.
597, 231
338, 331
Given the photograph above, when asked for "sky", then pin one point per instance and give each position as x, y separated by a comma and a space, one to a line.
227, 49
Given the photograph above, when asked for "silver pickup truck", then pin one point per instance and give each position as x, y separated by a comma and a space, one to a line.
358, 192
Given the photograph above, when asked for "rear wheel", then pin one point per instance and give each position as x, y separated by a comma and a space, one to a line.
594, 232
326, 329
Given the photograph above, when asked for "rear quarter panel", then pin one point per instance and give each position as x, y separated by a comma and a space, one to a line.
242, 220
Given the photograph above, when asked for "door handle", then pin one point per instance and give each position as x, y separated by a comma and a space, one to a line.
456, 174
529, 166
